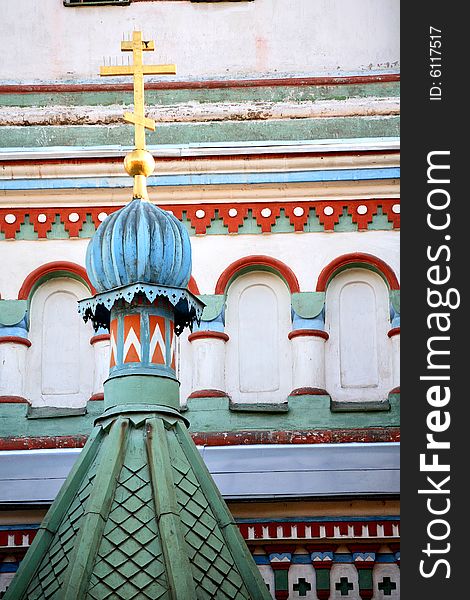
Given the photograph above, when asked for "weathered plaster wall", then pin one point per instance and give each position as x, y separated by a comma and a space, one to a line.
300, 108
306, 254
213, 40
202, 112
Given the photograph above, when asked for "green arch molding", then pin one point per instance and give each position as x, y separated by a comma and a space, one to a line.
260, 262
50, 271
254, 268
359, 260
47, 272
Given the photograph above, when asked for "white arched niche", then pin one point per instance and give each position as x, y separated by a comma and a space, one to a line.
60, 360
358, 361
258, 354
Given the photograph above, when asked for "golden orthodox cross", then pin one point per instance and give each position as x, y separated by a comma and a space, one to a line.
138, 70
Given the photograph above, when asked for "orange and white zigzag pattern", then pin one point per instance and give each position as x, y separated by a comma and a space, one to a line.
132, 351
157, 351
113, 340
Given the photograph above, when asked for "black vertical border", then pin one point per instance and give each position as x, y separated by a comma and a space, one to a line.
428, 126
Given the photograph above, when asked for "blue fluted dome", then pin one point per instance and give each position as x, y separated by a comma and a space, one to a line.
139, 243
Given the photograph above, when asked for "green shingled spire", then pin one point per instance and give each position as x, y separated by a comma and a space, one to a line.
139, 517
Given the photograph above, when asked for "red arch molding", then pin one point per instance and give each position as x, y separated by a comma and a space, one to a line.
257, 261
192, 286
353, 258
52, 267
70, 267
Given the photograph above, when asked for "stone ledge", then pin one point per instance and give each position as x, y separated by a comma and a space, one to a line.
212, 416
52, 412
360, 406
264, 407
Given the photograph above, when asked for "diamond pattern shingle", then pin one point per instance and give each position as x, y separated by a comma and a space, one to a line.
49, 576
213, 566
129, 543
130, 558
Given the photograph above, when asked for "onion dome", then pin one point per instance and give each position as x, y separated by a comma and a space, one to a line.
139, 243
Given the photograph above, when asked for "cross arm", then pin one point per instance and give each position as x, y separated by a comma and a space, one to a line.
144, 46
130, 70
140, 120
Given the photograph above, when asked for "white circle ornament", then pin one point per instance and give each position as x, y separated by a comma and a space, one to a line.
328, 211
73, 217
362, 209
200, 214
233, 212
298, 211
266, 212
10, 219
42, 218
396, 209
102, 216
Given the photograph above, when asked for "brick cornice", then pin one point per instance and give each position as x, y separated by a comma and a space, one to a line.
229, 438
58, 88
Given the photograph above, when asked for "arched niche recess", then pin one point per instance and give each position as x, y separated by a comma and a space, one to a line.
60, 360
358, 353
257, 321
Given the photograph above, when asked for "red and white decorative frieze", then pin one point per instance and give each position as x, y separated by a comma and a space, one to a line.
320, 530
269, 531
326, 213
11, 539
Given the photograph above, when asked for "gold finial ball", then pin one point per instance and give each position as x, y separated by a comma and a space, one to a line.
139, 162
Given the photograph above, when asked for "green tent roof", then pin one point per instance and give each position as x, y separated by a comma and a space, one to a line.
139, 517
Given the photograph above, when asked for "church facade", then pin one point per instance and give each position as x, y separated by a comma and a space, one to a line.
276, 146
